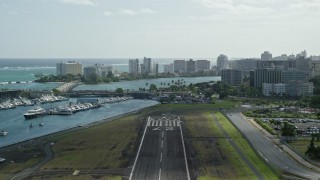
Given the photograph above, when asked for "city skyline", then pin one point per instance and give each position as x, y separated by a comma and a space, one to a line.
199, 29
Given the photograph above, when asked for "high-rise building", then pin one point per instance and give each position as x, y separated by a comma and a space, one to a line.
191, 66
155, 69
266, 56
147, 65
202, 65
260, 76
134, 66
231, 77
222, 62
89, 72
315, 68
179, 66
277, 64
70, 67
168, 68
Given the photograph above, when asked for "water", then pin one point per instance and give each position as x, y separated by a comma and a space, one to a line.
18, 128
136, 84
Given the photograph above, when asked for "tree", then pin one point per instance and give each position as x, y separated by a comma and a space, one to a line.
288, 130
119, 91
153, 87
312, 151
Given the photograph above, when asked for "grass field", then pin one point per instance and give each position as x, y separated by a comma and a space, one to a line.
105, 146
246, 148
215, 156
302, 143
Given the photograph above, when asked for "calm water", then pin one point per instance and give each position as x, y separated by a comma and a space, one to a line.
135, 85
18, 129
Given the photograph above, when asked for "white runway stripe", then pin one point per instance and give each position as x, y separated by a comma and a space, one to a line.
166, 123
152, 123
174, 123
160, 123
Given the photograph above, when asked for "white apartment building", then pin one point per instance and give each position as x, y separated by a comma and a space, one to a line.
134, 66
202, 65
266, 56
179, 66
222, 62
273, 89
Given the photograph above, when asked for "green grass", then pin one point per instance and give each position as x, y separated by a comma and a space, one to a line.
13, 168
302, 143
105, 146
265, 126
251, 155
82, 177
215, 156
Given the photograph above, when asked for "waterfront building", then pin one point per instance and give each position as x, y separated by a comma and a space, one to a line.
147, 65
222, 62
299, 88
90, 72
168, 68
155, 69
179, 66
260, 76
191, 66
231, 77
70, 67
134, 66
202, 65
266, 56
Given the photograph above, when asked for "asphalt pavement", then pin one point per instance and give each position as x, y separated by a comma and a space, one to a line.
161, 154
268, 150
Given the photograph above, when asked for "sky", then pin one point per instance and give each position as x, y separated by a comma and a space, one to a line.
157, 28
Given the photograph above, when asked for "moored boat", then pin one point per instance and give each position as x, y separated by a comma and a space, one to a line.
32, 113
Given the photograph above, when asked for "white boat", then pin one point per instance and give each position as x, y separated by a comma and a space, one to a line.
41, 124
63, 111
32, 113
3, 133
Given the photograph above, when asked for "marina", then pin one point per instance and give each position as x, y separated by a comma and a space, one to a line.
18, 129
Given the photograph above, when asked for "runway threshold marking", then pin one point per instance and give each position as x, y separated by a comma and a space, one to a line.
184, 152
135, 161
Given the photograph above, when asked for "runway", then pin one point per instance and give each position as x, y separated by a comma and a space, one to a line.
161, 154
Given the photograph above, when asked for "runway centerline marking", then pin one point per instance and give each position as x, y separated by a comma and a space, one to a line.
162, 144
161, 157
159, 173
162, 134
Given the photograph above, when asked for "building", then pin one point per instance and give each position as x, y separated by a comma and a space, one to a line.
202, 65
315, 68
277, 64
299, 88
70, 67
231, 77
90, 72
294, 75
260, 76
147, 65
266, 56
155, 68
134, 66
191, 66
179, 66
168, 68
273, 89
222, 62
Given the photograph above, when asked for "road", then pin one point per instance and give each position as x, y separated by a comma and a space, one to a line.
270, 152
161, 154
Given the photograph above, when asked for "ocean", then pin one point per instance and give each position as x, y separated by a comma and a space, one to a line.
22, 70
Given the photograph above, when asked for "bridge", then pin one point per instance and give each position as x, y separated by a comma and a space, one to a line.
104, 93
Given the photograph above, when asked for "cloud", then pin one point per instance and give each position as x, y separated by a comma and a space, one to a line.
131, 12
107, 13
80, 2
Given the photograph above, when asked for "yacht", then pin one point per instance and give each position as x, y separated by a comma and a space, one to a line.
3, 133
32, 113
63, 111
